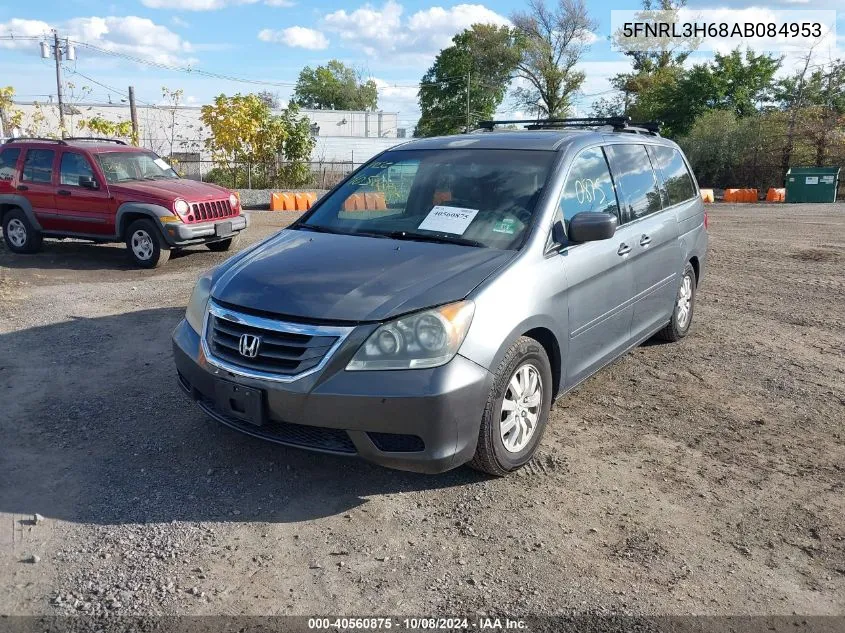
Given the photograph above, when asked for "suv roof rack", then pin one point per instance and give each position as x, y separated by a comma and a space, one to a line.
26, 139
96, 139
618, 123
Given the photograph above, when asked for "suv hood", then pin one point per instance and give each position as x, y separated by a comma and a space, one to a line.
190, 190
352, 278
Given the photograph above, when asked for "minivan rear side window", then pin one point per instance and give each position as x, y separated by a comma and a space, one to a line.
676, 176
635, 178
38, 165
8, 162
588, 186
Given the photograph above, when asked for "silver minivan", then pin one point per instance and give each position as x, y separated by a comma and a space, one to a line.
428, 310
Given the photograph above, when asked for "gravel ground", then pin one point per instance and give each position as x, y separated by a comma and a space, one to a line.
704, 477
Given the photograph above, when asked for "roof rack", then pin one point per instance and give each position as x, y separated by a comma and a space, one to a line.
96, 139
26, 139
618, 123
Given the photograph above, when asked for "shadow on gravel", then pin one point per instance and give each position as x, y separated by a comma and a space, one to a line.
95, 429
74, 255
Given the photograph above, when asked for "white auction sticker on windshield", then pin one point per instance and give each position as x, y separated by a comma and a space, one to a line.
448, 219
162, 164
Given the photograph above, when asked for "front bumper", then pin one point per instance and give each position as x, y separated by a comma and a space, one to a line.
180, 234
424, 420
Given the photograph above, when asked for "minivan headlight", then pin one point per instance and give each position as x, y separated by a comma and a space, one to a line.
424, 339
195, 314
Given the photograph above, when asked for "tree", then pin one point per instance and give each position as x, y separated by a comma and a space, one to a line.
334, 86
658, 64
270, 98
553, 42
245, 133
10, 116
100, 126
486, 56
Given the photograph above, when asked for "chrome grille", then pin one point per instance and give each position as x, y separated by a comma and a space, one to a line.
212, 210
286, 351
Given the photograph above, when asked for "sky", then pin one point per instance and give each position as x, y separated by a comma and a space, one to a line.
145, 42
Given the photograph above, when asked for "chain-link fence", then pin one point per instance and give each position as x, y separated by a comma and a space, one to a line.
320, 175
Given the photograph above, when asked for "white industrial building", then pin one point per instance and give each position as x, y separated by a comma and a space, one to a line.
341, 136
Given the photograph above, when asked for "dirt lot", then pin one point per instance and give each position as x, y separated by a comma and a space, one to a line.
706, 477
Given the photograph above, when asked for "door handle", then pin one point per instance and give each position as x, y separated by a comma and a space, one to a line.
624, 249
22, 188
645, 240
65, 192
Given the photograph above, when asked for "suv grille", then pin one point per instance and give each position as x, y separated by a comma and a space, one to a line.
283, 349
212, 210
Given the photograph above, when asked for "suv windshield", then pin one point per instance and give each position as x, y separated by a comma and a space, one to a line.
476, 197
126, 166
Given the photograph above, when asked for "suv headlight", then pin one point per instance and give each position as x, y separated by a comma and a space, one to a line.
424, 339
181, 207
233, 201
195, 314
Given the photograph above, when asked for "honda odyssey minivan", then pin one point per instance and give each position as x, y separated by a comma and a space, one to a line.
428, 310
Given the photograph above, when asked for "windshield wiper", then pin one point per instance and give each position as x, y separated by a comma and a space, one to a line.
443, 239
317, 229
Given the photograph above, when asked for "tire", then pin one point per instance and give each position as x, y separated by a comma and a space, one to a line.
145, 245
682, 313
499, 453
19, 234
221, 246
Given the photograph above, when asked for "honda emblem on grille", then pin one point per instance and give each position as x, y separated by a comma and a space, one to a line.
248, 345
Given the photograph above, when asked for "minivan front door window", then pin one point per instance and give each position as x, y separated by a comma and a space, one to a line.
474, 197
588, 186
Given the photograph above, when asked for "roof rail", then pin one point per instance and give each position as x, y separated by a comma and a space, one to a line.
26, 139
96, 139
618, 123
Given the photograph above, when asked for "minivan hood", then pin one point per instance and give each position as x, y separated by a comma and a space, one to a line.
353, 278
190, 190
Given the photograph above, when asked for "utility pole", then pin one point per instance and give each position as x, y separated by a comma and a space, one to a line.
133, 114
468, 79
57, 54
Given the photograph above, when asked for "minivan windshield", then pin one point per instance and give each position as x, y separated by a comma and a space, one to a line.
126, 166
475, 197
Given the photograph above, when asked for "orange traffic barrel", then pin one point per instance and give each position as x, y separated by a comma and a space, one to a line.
776, 194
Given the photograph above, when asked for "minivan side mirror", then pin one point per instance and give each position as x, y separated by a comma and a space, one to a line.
88, 182
589, 226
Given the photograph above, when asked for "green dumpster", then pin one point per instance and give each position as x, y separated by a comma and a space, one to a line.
812, 184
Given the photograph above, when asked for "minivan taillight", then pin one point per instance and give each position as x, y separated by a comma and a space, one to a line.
706, 221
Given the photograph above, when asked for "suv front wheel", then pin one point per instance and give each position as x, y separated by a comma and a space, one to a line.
19, 234
143, 241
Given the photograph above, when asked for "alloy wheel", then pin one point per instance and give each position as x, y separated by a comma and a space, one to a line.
16, 231
521, 408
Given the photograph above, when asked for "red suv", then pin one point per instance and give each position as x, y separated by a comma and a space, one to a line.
106, 191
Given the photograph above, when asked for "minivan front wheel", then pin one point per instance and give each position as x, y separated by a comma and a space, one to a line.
517, 409
682, 312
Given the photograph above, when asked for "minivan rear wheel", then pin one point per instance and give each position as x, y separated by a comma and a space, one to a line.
682, 312
517, 409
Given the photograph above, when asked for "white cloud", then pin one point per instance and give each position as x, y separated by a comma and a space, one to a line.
296, 37
380, 31
279, 3
127, 35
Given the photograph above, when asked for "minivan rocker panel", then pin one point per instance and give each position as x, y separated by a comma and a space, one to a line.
327, 277
492, 273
